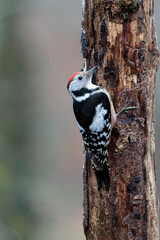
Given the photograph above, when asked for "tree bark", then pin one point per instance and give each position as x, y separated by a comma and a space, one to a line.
119, 37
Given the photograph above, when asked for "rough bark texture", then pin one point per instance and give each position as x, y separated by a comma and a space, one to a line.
119, 37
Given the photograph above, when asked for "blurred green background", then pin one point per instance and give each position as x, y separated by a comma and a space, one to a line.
41, 190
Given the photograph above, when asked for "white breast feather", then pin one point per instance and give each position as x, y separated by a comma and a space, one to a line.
98, 122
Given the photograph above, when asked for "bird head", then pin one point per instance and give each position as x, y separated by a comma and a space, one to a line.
81, 80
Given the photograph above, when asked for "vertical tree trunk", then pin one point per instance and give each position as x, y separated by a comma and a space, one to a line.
119, 37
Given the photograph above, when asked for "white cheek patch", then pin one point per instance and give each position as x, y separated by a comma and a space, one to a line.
75, 85
98, 122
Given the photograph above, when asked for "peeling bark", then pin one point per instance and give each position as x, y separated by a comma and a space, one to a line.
119, 37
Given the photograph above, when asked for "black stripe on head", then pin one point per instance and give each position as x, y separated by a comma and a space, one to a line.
83, 91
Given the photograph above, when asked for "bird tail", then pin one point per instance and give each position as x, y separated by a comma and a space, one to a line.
103, 176
100, 165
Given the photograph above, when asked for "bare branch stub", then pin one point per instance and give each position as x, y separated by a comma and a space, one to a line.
119, 37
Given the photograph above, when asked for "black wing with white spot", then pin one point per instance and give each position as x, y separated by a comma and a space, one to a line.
94, 119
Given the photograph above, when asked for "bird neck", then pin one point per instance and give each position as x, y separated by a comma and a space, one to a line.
84, 93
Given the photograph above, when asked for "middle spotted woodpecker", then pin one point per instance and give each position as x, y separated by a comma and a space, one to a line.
95, 115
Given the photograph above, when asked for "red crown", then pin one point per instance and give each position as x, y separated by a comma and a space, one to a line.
71, 79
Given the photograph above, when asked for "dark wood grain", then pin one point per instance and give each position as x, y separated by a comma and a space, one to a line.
119, 37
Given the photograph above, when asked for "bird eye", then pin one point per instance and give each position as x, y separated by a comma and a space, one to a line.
80, 77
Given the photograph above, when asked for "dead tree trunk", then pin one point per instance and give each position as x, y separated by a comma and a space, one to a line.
119, 37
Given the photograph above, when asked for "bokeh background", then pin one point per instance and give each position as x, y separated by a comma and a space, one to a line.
40, 147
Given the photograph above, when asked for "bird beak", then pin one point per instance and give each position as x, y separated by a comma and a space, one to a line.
92, 70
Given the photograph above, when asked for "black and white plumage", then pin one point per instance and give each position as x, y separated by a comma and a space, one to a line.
95, 116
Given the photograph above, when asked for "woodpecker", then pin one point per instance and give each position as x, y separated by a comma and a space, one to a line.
96, 116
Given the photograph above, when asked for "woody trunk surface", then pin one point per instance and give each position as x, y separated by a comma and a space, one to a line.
119, 37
